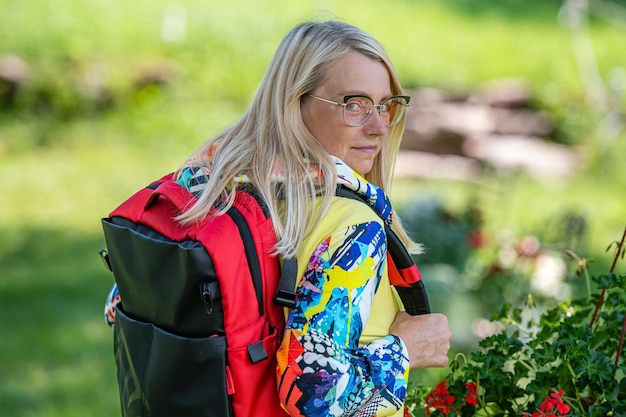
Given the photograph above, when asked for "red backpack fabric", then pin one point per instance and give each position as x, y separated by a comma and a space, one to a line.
198, 326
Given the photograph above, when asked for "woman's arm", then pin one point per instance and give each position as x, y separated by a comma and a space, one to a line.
322, 369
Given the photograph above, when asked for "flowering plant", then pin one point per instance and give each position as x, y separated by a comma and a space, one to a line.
562, 362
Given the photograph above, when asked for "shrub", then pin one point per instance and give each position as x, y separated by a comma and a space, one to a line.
562, 362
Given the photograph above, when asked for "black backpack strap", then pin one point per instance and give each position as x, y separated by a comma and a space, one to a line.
285, 294
413, 293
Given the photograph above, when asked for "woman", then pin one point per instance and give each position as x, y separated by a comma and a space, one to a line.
347, 345
328, 112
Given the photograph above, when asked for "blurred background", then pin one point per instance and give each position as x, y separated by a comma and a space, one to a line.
511, 166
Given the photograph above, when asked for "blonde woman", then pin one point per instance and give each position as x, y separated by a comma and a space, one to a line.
329, 112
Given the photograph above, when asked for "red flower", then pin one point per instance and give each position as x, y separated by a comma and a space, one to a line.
547, 407
560, 405
439, 399
547, 404
472, 397
542, 414
476, 239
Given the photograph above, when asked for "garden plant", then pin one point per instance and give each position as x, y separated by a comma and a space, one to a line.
564, 361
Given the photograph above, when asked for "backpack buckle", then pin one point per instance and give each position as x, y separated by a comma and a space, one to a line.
209, 291
104, 256
285, 298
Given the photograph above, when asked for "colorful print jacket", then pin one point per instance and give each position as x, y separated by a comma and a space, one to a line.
323, 370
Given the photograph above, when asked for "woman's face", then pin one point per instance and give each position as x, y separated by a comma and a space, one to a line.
357, 146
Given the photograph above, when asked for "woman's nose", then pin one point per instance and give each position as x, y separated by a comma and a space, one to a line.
377, 122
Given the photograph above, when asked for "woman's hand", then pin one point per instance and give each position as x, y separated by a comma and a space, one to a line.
427, 338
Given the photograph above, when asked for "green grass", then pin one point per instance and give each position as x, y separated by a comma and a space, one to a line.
56, 354
65, 162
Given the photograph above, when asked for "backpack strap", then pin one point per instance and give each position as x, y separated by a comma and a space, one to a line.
285, 294
402, 271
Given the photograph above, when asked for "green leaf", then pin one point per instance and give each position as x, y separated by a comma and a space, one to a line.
595, 371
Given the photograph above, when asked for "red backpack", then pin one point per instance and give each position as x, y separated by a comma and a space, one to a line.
201, 319
202, 305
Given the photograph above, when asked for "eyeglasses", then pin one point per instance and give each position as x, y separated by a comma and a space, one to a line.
357, 108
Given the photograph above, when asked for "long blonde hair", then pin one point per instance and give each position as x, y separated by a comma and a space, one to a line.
272, 131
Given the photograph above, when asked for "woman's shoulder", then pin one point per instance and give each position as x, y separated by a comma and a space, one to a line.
344, 216
350, 211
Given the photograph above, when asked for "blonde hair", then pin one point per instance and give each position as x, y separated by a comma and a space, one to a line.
272, 131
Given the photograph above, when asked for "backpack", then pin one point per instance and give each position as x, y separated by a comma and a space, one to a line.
202, 310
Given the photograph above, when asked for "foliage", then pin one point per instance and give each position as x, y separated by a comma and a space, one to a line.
562, 362
493, 267
447, 237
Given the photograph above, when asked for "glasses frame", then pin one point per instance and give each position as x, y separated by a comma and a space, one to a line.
378, 107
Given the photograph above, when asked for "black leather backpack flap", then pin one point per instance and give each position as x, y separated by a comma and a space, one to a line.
169, 284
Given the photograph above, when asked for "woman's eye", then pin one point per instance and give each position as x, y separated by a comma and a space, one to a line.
354, 106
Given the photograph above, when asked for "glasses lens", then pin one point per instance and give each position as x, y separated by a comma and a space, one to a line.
395, 108
357, 110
